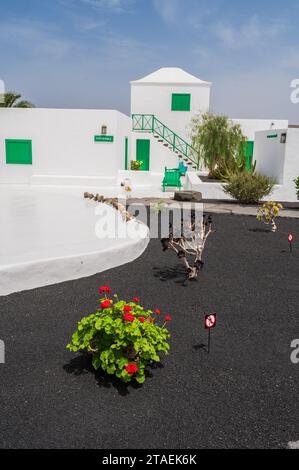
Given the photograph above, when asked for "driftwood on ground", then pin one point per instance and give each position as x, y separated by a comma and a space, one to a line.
111, 202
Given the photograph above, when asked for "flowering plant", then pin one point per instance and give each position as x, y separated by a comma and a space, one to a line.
136, 165
123, 338
268, 213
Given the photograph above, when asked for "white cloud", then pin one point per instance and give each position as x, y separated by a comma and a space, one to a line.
248, 34
168, 10
35, 38
116, 6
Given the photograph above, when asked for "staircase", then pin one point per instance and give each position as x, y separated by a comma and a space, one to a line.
168, 138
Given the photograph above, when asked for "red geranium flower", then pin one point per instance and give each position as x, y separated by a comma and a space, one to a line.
105, 289
168, 318
131, 369
157, 312
128, 308
141, 319
106, 304
129, 317
136, 299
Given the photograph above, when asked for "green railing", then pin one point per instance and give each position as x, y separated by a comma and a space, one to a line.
149, 123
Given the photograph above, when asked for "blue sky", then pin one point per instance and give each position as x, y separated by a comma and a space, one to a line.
83, 53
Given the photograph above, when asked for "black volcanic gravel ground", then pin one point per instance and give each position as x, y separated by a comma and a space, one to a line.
244, 394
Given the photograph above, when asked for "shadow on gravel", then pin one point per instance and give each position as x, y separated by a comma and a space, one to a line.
260, 230
82, 365
177, 274
199, 347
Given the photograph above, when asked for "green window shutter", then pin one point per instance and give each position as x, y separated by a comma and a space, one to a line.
181, 102
18, 152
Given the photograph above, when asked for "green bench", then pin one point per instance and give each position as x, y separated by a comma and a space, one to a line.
172, 179
183, 169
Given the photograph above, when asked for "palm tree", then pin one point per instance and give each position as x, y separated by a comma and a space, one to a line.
12, 100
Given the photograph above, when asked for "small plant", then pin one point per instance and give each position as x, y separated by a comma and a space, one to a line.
268, 212
248, 188
296, 181
159, 206
191, 243
123, 338
128, 190
136, 165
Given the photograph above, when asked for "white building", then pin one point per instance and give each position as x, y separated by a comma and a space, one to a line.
95, 147
63, 146
163, 105
277, 155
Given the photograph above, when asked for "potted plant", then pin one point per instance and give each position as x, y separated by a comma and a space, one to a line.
122, 337
136, 165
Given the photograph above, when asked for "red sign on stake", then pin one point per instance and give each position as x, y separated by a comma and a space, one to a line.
210, 321
290, 238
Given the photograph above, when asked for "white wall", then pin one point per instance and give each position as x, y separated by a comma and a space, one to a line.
270, 154
63, 143
251, 126
156, 99
279, 160
291, 170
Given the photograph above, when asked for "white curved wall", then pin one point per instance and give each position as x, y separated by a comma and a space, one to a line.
49, 236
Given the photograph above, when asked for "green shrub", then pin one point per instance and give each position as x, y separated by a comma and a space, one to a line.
296, 181
248, 188
123, 338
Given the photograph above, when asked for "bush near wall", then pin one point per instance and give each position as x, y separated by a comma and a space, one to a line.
248, 188
297, 186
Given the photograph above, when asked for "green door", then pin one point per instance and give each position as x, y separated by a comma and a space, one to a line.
143, 153
249, 154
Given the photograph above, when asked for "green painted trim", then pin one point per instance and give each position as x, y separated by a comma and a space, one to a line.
126, 152
104, 138
18, 152
149, 123
181, 102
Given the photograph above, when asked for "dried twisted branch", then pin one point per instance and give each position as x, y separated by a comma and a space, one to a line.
191, 244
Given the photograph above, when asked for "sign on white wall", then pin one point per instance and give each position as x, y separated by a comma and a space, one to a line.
104, 138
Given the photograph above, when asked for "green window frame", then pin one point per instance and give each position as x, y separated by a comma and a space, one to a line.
181, 102
18, 152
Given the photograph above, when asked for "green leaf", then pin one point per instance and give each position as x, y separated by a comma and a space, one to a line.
96, 362
141, 379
